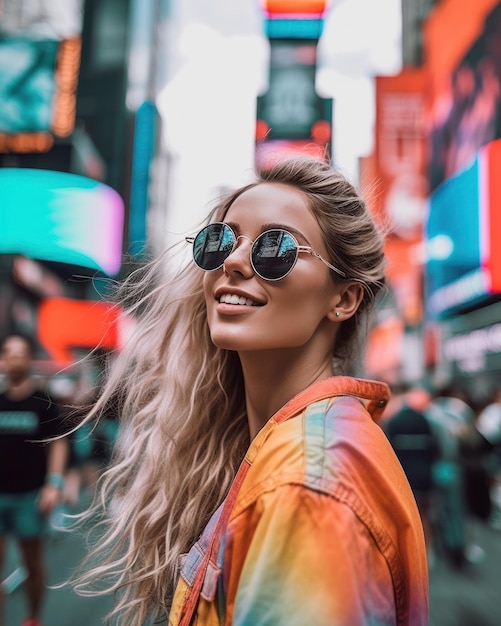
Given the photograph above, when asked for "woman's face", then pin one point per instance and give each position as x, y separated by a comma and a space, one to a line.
276, 314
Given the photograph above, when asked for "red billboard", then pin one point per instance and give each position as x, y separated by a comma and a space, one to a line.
399, 185
464, 109
65, 325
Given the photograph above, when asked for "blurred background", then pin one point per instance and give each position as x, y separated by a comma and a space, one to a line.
122, 120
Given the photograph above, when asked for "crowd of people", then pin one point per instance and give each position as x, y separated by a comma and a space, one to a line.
450, 449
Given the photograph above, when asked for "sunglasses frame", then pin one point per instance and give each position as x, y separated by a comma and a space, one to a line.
299, 249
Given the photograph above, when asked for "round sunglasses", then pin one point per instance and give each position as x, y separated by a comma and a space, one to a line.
273, 254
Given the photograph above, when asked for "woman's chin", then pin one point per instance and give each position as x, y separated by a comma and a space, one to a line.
235, 344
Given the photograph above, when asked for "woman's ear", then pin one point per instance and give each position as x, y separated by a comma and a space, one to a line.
347, 300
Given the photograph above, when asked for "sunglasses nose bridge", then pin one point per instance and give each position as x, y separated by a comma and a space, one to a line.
236, 244
240, 254
242, 237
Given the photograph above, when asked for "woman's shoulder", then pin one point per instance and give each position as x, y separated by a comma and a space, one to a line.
313, 442
331, 448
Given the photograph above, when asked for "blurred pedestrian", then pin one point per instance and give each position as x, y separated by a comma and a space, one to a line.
31, 469
489, 426
91, 446
460, 482
475, 452
316, 523
417, 449
92, 443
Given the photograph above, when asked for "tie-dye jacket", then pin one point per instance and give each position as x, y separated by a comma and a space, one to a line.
320, 527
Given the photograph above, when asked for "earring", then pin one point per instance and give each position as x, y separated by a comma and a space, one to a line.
338, 313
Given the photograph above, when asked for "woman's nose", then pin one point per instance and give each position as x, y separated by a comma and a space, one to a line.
239, 259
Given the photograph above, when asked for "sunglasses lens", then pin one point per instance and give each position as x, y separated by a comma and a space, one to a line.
274, 254
212, 246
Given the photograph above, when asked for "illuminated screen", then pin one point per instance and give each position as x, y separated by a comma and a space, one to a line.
465, 111
56, 216
463, 236
453, 230
290, 106
65, 324
38, 82
295, 6
27, 85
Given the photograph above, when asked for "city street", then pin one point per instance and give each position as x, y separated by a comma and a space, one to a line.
216, 212
471, 597
64, 551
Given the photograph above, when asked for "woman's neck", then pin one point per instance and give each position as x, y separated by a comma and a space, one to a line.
272, 379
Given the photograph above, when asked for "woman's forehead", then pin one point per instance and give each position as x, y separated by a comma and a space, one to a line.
275, 204
271, 203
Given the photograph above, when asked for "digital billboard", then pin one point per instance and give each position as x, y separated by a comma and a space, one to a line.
463, 237
40, 48
61, 217
27, 84
465, 83
291, 116
395, 179
295, 7
65, 324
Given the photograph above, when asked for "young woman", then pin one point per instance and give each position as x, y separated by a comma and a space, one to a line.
251, 485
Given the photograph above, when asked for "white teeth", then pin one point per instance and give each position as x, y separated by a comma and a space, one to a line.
234, 299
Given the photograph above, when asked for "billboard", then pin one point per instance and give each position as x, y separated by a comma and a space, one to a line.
65, 325
400, 144
465, 83
39, 65
399, 185
291, 116
463, 238
295, 7
27, 84
61, 217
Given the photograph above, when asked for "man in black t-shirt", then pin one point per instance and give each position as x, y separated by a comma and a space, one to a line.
31, 469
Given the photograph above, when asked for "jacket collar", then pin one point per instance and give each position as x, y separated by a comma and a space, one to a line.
372, 394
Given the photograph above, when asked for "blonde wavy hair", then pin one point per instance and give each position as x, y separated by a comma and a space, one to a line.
181, 403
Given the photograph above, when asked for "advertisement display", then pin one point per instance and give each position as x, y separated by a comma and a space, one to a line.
65, 325
295, 7
291, 116
40, 50
465, 83
400, 143
470, 349
400, 195
464, 237
56, 216
27, 84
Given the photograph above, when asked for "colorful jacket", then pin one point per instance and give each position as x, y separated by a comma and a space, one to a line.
320, 527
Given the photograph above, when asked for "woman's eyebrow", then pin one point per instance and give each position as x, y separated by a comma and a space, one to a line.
234, 227
289, 229
271, 226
